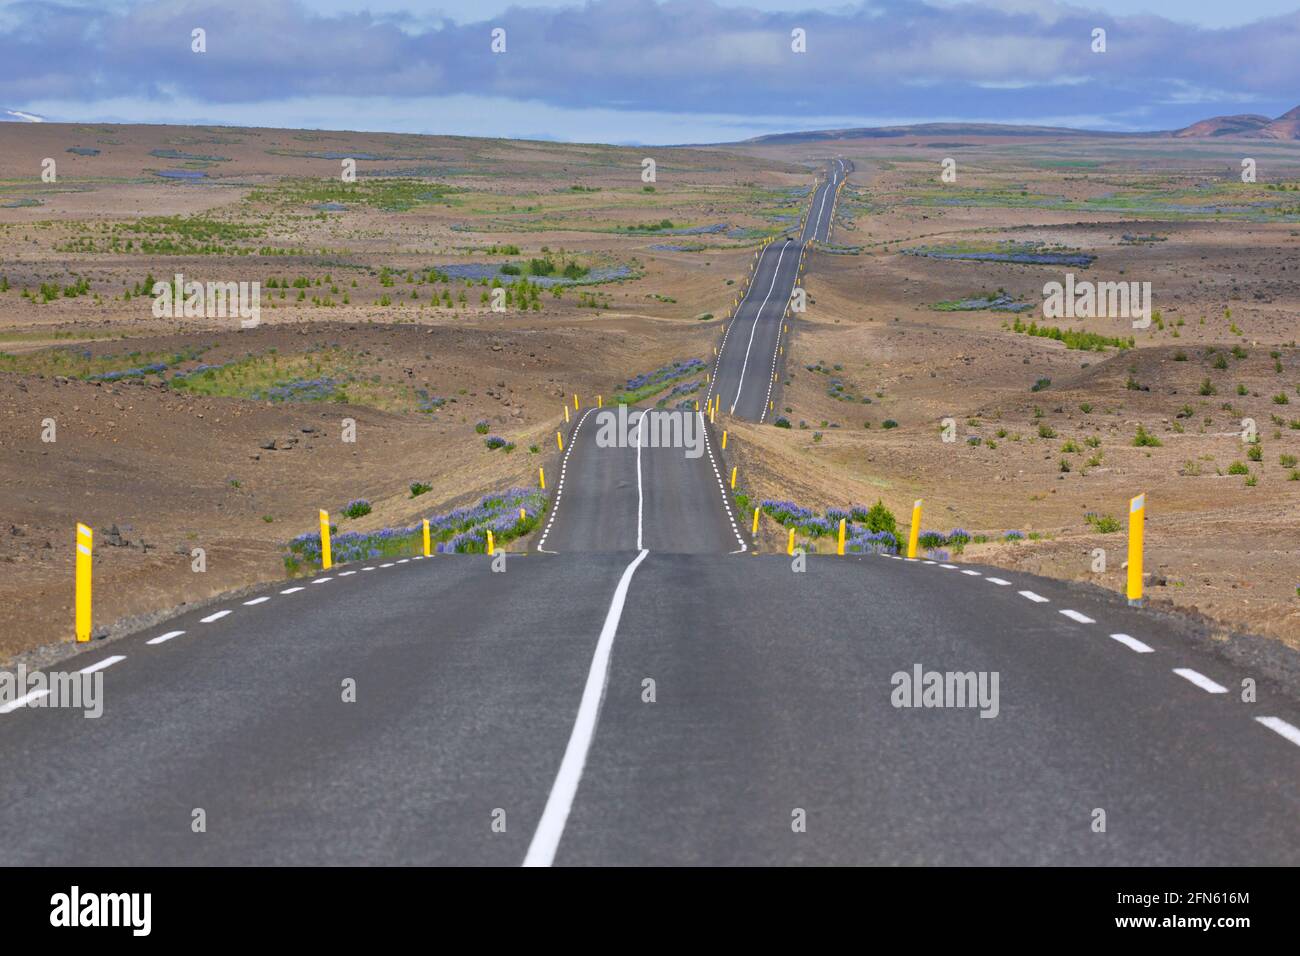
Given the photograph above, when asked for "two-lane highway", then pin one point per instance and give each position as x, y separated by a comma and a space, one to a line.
642, 689
747, 365
648, 708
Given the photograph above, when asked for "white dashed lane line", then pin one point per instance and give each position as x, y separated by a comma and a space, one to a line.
100, 665
1133, 643
1200, 680
321, 580
1280, 726
722, 489
213, 617
290, 590
559, 487
164, 638
258, 600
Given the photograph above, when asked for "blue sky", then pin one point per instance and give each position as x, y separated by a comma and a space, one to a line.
625, 71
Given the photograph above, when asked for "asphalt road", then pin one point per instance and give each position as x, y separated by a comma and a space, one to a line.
644, 689
772, 694
746, 369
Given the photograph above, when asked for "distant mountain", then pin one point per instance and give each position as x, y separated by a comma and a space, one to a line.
1243, 124
18, 116
1286, 126
922, 129
1247, 125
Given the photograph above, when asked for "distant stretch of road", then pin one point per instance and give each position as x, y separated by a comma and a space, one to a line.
642, 688
746, 368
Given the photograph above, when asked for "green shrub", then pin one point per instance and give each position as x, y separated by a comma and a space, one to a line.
1144, 439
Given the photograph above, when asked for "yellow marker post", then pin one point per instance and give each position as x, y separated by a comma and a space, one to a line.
724, 439
426, 537
541, 478
755, 531
914, 532
733, 477
575, 401
559, 441
492, 548
523, 515
789, 547
325, 562
839, 548
85, 544
600, 402
566, 414
1137, 509
713, 412
697, 404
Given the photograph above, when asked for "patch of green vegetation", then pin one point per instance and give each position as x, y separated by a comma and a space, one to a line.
168, 236
1073, 338
387, 194
76, 362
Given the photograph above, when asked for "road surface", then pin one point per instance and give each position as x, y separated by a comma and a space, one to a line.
745, 372
643, 689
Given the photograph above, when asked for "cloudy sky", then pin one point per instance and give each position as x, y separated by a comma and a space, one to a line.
643, 71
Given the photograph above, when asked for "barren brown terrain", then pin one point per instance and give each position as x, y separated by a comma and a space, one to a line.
237, 440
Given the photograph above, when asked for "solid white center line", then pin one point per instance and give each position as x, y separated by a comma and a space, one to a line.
1036, 598
1200, 680
1280, 726
776, 274
998, 581
100, 665
164, 638
22, 701
290, 590
1133, 643
261, 600
213, 617
1076, 616
640, 501
546, 839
